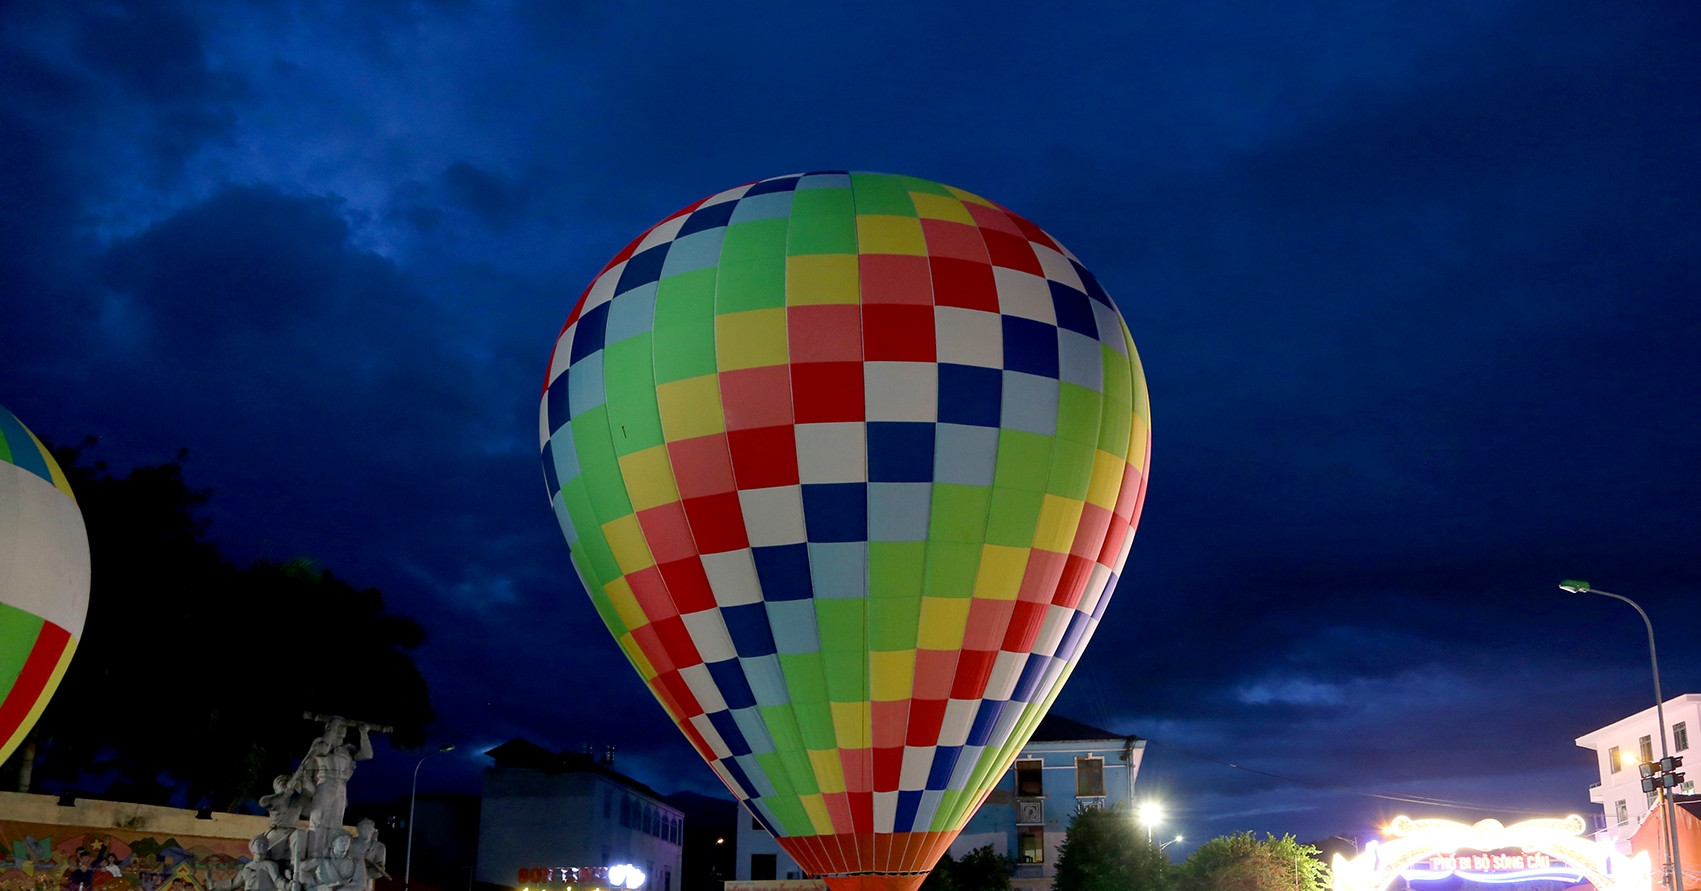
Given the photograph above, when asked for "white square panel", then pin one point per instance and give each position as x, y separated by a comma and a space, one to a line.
1058, 268
969, 336
1024, 294
832, 453
732, 575
901, 391
773, 516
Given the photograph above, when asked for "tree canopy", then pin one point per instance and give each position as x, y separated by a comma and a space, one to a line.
982, 869
1104, 851
1243, 862
193, 675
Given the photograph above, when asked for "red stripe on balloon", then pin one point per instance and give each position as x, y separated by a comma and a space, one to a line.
32, 679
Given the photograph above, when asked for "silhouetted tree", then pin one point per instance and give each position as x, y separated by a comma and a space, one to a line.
982, 869
1243, 862
1103, 851
192, 675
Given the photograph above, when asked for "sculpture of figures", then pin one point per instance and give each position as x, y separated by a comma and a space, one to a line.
283, 807
369, 849
326, 770
340, 871
258, 874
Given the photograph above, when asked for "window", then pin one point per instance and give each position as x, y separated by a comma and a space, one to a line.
755, 824
1646, 746
763, 867
1615, 761
1029, 783
607, 804
1680, 736
1031, 844
1089, 777
1622, 811
667, 880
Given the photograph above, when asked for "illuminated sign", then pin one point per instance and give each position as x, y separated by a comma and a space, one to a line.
1420, 850
620, 875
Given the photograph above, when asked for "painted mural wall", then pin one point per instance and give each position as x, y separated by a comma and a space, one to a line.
114, 846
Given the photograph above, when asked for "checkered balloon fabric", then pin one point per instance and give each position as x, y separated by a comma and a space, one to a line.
849, 464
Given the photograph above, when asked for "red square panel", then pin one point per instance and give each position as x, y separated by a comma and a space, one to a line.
831, 333
667, 532
1039, 579
889, 719
676, 642
756, 397
926, 717
1024, 626
1089, 535
823, 392
992, 218
965, 283
688, 585
974, 667
701, 465
899, 333
1011, 251
948, 239
766, 456
934, 671
1119, 530
862, 808
889, 765
1076, 572
1035, 234
650, 590
858, 767
895, 278
987, 621
650, 646
717, 523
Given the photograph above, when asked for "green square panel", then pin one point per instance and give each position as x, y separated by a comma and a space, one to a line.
1078, 410
895, 569
840, 624
629, 375
1013, 517
1113, 431
958, 512
951, 567
804, 680
893, 622
1117, 386
1024, 460
802, 774
880, 193
847, 681
684, 343
912, 184
1071, 470
753, 267
600, 468
823, 234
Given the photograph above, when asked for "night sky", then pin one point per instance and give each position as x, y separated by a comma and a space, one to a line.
1414, 285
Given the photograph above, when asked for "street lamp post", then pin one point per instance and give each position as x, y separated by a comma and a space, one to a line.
1576, 586
1168, 843
1151, 814
413, 801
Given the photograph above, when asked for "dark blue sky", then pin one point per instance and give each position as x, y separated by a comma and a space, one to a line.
1414, 284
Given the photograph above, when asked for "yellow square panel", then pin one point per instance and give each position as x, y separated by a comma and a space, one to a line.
850, 724
940, 207
1106, 481
813, 279
969, 196
942, 622
631, 551
1058, 518
817, 811
1001, 569
649, 478
751, 339
891, 673
620, 594
1137, 442
690, 408
636, 654
829, 771
883, 234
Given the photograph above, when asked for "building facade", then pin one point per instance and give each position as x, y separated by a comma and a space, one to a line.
1065, 766
544, 812
1620, 746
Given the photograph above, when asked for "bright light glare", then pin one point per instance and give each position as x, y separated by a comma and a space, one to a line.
1151, 813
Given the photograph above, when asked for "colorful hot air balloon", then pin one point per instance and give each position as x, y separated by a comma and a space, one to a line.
849, 464
44, 579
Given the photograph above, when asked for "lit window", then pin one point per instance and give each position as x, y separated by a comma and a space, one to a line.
1032, 844
1029, 783
1089, 777
1680, 736
1614, 760
1622, 810
1646, 746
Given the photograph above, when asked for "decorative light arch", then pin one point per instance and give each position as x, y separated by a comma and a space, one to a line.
1411, 841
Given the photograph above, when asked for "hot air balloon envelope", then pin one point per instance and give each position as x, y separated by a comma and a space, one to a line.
44, 579
848, 464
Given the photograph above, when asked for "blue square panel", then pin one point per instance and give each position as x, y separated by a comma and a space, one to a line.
783, 571
747, 625
1074, 310
1029, 346
900, 452
642, 268
588, 335
969, 394
835, 511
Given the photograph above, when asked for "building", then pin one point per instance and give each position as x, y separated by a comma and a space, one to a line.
1065, 765
545, 812
1623, 744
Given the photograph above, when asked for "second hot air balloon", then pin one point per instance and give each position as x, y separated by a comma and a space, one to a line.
849, 464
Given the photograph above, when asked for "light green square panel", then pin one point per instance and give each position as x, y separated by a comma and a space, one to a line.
839, 622
893, 623
951, 567
805, 681
1024, 460
847, 679
1013, 517
895, 568
822, 222
880, 193
753, 267
684, 342
958, 512
1117, 379
1078, 410
802, 775
634, 422
1071, 470
601, 469
1113, 429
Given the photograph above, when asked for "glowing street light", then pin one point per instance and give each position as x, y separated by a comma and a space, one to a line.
1168, 843
1151, 814
1577, 586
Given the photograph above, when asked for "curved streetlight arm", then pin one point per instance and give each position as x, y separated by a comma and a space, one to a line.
413, 801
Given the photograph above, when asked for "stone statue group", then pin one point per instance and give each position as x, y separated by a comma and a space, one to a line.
323, 856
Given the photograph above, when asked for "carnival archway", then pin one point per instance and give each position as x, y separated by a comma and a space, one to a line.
1413, 841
